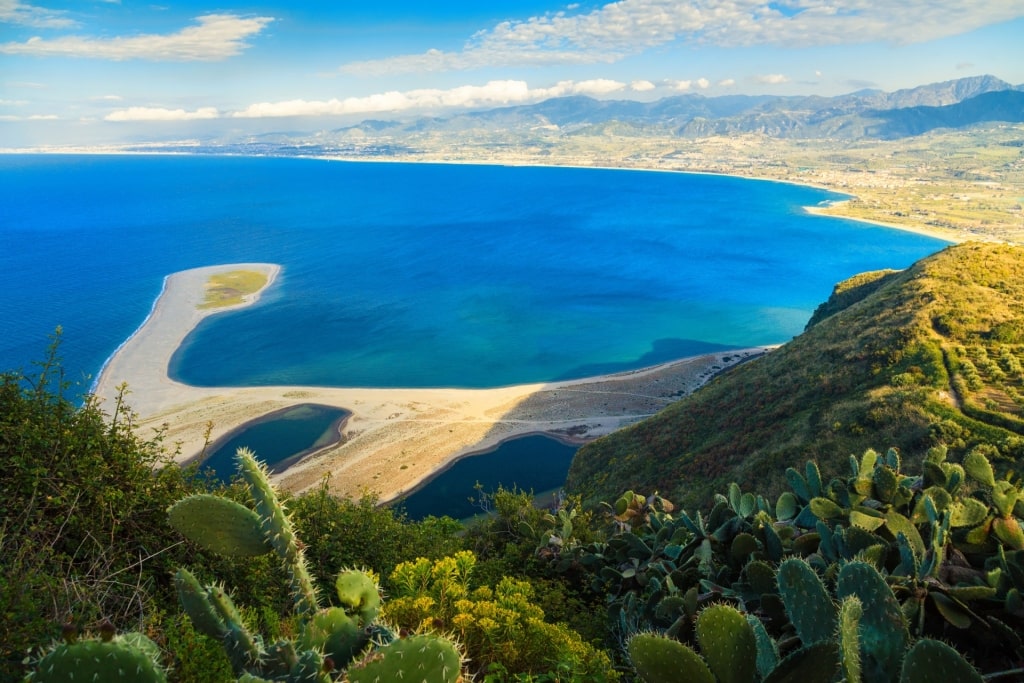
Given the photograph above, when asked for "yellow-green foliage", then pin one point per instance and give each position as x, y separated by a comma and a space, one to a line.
497, 625
229, 289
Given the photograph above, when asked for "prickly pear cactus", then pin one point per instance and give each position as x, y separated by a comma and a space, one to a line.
658, 659
420, 658
194, 599
883, 629
329, 639
336, 634
933, 660
808, 604
220, 525
309, 669
359, 594
850, 613
728, 644
814, 663
129, 658
279, 533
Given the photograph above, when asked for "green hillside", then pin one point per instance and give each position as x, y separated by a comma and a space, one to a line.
927, 356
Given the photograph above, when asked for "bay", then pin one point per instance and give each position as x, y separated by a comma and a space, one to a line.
417, 274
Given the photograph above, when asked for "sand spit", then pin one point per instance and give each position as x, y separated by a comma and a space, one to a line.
395, 438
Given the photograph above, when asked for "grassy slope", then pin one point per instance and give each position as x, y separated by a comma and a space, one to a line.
931, 355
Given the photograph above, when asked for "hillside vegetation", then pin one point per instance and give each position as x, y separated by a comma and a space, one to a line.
930, 356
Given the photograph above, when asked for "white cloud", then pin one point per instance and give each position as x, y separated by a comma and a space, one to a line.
33, 117
726, 83
161, 114
13, 103
702, 83
24, 14
772, 79
106, 98
214, 37
627, 27
493, 93
641, 86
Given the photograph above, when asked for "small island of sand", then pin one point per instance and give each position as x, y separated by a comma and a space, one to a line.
395, 438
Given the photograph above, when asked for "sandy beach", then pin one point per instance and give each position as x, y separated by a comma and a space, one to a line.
395, 438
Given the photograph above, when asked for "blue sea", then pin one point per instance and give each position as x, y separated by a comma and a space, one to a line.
417, 275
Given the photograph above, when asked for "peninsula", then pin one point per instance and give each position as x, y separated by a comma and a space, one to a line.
395, 438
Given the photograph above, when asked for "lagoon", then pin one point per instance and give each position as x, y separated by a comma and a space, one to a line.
529, 463
279, 439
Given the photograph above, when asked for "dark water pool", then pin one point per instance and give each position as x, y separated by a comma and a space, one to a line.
539, 463
279, 439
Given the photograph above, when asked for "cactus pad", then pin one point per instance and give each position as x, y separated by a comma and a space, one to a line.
883, 629
420, 658
197, 605
808, 604
933, 660
309, 669
359, 594
279, 533
817, 662
219, 525
979, 468
120, 659
850, 612
334, 633
728, 644
662, 660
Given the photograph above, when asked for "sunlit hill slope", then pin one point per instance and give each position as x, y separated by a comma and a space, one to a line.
933, 355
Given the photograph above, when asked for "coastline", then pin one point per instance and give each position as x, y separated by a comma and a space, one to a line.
394, 439
952, 235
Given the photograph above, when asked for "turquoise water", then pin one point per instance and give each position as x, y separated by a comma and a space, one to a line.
279, 439
536, 463
417, 275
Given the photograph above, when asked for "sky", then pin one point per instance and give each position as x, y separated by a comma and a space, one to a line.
83, 72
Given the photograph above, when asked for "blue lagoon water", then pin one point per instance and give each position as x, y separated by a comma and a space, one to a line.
417, 275
280, 439
530, 463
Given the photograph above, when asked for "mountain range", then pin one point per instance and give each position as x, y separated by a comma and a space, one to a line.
866, 113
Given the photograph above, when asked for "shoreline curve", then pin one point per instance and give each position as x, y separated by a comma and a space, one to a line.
394, 439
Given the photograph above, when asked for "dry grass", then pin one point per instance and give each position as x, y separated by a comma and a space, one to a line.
230, 289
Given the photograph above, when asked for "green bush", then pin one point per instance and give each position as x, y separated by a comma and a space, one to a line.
500, 626
82, 498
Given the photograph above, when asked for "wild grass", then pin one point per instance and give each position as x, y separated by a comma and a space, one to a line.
230, 289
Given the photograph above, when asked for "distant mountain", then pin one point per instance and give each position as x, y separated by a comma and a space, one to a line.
850, 116
929, 356
1003, 105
